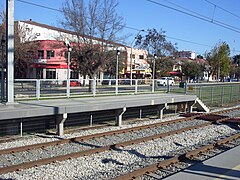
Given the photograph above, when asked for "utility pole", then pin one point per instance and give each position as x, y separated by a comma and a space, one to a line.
10, 51
2, 71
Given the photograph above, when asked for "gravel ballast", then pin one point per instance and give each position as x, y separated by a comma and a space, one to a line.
107, 165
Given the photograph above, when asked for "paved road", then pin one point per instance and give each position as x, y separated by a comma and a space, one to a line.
223, 166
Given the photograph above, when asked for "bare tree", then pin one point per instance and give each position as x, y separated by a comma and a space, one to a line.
2, 30
25, 50
96, 25
24, 47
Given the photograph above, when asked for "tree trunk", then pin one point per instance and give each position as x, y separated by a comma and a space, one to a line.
90, 87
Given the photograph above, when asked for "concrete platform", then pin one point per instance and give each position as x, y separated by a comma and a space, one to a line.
53, 107
119, 104
225, 166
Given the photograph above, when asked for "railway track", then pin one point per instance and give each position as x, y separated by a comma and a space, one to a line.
94, 142
181, 161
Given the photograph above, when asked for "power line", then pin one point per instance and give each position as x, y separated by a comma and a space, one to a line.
38, 5
222, 9
136, 29
201, 17
191, 42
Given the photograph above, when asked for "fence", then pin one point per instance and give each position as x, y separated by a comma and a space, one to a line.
45, 88
212, 94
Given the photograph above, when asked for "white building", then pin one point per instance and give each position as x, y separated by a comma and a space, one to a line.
186, 54
55, 66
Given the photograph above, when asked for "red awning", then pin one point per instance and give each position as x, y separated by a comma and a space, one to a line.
50, 66
174, 73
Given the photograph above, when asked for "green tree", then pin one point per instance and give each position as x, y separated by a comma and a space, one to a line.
191, 69
237, 73
225, 60
110, 68
219, 60
232, 70
164, 66
155, 43
236, 59
96, 25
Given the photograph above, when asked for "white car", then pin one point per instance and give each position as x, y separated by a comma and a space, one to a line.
165, 80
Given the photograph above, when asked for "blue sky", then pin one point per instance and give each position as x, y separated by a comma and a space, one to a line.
142, 14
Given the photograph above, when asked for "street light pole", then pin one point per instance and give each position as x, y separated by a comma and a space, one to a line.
132, 55
153, 78
68, 70
116, 90
131, 64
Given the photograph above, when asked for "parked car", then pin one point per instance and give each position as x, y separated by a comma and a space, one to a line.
72, 83
109, 82
165, 80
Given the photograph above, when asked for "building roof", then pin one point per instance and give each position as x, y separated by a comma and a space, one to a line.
68, 32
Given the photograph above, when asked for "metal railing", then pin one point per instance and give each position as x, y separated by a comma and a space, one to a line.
52, 88
213, 94
36, 89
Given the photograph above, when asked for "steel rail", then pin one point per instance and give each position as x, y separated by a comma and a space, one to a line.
175, 159
82, 138
96, 150
114, 132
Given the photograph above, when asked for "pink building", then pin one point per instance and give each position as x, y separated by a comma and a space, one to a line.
50, 61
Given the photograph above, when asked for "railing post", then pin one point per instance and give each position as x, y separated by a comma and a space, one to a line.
94, 86
222, 94
136, 86
116, 87
200, 92
185, 87
211, 95
140, 114
68, 88
91, 120
38, 89
168, 86
153, 86
21, 128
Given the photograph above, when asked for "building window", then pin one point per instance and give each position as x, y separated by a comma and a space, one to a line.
132, 56
141, 57
30, 54
40, 54
50, 54
50, 73
74, 75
